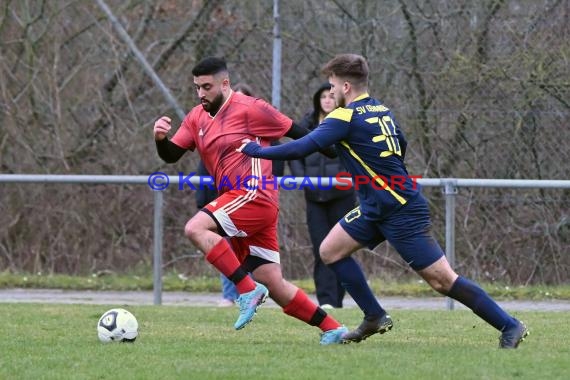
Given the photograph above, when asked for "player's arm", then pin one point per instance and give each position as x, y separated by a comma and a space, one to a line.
296, 132
267, 122
323, 136
167, 150
288, 151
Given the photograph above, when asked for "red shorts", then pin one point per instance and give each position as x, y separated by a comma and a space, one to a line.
250, 221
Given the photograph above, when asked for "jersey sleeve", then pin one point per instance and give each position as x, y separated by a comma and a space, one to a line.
330, 131
334, 128
266, 121
184, 137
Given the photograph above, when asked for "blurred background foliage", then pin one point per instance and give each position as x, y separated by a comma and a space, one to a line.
481, 90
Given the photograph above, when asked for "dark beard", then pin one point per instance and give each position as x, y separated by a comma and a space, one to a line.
214, 106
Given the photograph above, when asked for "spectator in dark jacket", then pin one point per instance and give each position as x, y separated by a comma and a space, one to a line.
324, 206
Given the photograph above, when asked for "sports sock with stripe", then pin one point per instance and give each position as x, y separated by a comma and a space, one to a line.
224, 259
301, 307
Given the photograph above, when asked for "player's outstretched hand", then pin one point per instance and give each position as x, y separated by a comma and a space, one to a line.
161, 128
249, 148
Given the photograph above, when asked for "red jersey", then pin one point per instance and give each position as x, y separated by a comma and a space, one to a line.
217, 138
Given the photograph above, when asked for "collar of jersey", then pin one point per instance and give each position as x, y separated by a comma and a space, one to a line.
360, 97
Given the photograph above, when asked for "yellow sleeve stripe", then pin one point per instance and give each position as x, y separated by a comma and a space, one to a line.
344, 114
373, 175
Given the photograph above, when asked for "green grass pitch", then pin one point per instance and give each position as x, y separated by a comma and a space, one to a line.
41, 341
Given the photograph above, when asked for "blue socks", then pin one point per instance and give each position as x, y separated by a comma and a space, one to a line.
468, 293
352, 279
475, 298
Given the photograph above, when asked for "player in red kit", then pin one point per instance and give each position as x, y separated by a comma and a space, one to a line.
246, 211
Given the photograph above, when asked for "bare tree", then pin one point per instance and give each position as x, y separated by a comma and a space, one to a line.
480, 89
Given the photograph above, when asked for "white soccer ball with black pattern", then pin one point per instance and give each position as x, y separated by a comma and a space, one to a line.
117, 325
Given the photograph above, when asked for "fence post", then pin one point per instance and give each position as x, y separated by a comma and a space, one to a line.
276, 79
450, 192
157, 247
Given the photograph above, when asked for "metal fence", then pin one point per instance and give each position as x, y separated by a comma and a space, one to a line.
83, 82
449, 186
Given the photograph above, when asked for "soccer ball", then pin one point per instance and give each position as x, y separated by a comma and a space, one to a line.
117, 325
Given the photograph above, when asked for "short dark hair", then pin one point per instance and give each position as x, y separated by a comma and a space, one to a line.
209, 66
350, 66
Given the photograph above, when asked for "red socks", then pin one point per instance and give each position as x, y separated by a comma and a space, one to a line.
224, 259
301, 307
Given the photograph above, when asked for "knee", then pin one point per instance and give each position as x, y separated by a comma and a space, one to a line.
439, 275
441, 284
192, 231
438, 286
326, 254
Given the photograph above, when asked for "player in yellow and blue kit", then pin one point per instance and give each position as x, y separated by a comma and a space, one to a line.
372, 147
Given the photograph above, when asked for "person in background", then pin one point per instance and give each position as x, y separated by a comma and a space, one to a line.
207, 194
324, 206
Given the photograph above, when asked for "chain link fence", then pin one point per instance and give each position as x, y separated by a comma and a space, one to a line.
480, 89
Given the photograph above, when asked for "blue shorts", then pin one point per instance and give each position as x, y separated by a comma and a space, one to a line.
407, 230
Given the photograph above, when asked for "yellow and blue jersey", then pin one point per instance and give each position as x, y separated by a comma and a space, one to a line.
371, 146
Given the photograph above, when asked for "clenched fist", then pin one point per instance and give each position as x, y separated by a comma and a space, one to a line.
161, 128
